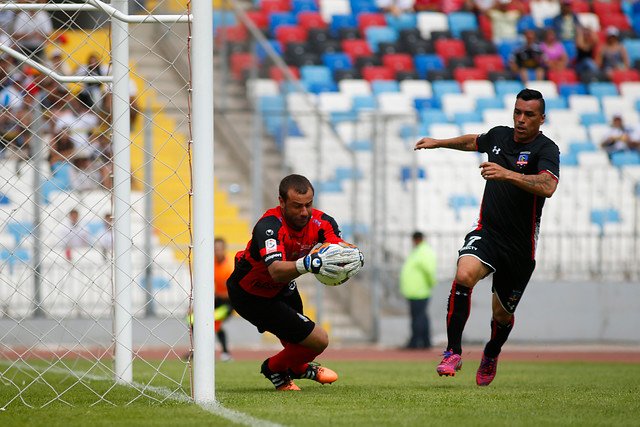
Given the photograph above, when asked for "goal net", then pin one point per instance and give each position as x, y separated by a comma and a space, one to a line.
95, 202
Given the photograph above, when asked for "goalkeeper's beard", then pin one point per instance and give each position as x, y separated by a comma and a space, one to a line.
298, 222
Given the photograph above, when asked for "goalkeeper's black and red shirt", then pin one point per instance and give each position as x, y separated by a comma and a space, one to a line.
273, 240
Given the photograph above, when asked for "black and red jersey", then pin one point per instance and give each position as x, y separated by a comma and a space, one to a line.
511, 213
273, 240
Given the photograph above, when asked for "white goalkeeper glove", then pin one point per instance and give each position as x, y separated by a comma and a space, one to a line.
357, 259
330, 262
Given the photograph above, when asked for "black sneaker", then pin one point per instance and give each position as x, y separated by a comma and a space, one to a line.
280, 380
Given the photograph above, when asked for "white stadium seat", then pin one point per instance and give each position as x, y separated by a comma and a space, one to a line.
354, 87
546, 87
479, 88
457, 102
431, 21
584, 103
416, 88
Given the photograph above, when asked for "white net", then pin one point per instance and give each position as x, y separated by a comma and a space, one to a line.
57, 217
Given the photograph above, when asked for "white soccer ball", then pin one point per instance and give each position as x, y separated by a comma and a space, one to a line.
329, 281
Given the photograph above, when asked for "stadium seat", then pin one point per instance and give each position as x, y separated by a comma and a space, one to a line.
485, 103
395, 103
567, 89
630, 90
339, 22
277, 19
600, 89
355, 87
416, 88
478, 88
588, 119
562, 117
463, 117
366, 20
491, 62
259, 18
567, 75
308, 20
625, 158
603, 7
589, 20
461, 21
463, 74
379, 86
300, 6
427, 22
364, 102
270, 6
425, 104
504, 87
618, 20
403, 21
233, 34
582, 103
525, 23
433, 116
546, 87
453, 103
376, 35
558, 103
620, 76
356, 48
600, 217
398, 62
450, 48
241, 62
337, 61
427, 62
506, 48
290, 33
279, 75
372, 73
261, 52
312, 74
334, 101
442, 87
615, 105
578, 147
359, 7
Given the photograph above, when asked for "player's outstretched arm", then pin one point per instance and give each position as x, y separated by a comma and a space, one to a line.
462, 143
543, 184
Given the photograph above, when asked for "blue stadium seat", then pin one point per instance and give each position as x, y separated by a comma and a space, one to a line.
432, 116
505, 87
525, 23
633, 48
601, 89
578, 147
281, 18
425, 103
558, 103
461, 21
566, 89
381, 86
463, 117
600, 217
14, 256
568, 159
376, 35
401, 22
363, 6
426, 62
570, 48
342, 21
344, 172
312, 74
324, 86
261, 53
485, 103
625, 158
4, 200
329, 186
271, 103
19, 230
364, 102
298, 6
407, 173
459, 201
337, 61
223, 18
506, 48
588, 119
342, 116
440, 87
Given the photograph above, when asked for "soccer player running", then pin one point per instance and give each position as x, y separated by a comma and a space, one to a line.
522, 170
262, 287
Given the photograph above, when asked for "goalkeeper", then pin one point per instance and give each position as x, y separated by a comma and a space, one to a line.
263, 290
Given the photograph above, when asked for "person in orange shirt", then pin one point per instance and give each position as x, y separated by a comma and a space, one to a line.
223, 267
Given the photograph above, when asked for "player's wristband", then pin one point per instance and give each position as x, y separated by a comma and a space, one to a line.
300, 266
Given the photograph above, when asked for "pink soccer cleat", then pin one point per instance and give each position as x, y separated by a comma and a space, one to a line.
487, 370
451, 363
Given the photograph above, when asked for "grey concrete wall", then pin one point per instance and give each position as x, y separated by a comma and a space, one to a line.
548, 313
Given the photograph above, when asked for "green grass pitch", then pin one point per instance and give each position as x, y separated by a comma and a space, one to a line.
367, 394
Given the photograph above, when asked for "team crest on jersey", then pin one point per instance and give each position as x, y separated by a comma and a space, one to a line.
270, 245
523, 159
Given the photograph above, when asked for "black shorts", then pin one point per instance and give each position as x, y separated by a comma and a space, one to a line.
281, 315
511, 271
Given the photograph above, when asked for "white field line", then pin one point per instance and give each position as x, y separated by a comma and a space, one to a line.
215, 408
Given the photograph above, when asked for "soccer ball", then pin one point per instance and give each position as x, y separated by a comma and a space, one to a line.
329, 281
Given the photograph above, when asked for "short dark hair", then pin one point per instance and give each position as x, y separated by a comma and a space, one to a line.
532, 94
417, 235
298, 183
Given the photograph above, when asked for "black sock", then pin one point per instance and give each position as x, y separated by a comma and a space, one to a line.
222, 337
457, 315
499, 334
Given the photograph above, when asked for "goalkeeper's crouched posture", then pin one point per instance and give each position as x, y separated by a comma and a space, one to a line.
262, 287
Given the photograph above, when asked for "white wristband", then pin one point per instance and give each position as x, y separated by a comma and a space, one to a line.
300, 266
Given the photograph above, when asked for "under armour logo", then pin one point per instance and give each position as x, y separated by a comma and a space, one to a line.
496, 150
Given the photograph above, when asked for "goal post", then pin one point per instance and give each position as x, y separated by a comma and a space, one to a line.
81, 291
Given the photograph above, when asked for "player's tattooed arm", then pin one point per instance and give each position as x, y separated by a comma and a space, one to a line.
462, 143
543, 184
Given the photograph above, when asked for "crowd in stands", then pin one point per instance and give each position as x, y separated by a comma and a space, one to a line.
72, 120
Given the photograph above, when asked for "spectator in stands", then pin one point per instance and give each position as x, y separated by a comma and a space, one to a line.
480, 7
395, 7
542, 10
566, 23
417, 279
92, 94
31, 31
612, 55
553, 52
80, 122
634, 139
74, 234
617, 139
104, 241
504, 21
86, 174
586, 47
527, 60
58, 63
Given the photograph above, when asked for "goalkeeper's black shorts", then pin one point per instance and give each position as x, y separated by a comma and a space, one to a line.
281, 315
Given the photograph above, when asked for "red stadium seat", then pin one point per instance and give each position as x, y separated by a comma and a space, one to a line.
618, 20
259, 18
602, 8
355, 48
277, 74
275, 6
489, 62
368, 19
290, 33
485, 26
235, 34
309, 20
450, 48
580, 6
398, 61
462, 74
620, 76
372, 73
563, 76
240, 62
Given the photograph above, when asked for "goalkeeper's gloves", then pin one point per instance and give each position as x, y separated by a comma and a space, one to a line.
331, 262
354, 266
